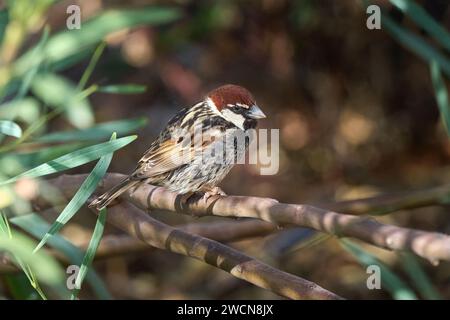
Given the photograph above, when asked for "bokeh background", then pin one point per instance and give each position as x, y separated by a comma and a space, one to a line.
356, 111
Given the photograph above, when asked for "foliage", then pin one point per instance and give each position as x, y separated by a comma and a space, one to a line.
33, 93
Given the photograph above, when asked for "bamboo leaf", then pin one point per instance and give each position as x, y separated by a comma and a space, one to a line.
73, 159
26, 110
81, 196
418, 276
123, 89
21, 248
441, 94
30, 74
416, 44
70, 42
90, 252
90, 68
97, 132
61, 94
421, 17
10, 128
390, 281
35, 225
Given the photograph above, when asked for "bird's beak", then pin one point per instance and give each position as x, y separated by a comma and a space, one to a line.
255, 112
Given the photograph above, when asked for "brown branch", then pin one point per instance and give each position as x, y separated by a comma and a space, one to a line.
377, 205
429, 245
223, 231
229, 231
159, 235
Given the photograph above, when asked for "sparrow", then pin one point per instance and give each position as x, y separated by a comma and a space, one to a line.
181, 162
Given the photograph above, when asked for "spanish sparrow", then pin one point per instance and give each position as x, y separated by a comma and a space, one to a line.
184, 163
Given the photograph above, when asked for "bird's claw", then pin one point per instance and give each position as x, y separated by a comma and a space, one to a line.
216, 191
205, 196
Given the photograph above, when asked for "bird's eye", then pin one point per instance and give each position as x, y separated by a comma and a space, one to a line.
237, 108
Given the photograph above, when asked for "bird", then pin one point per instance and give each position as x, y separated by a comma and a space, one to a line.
181, 162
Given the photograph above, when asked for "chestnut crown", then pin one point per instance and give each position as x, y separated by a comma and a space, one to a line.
231, 95
236, 105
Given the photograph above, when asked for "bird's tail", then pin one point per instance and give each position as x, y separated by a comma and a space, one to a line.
106, 198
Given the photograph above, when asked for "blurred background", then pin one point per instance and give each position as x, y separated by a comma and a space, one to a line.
356, 109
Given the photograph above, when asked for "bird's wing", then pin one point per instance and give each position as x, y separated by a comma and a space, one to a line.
168, 154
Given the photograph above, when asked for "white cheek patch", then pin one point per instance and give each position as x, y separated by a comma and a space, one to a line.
237, 119
212, 106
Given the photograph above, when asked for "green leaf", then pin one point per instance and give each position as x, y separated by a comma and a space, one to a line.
5, 231
15, 162
70, 42
416, 44
90, 252
44, 266
60, 93
123, 89
32, 129
389, 280
30, 74
4, 20
421, 17
36, 226
10, 128
418, 276
19, 287
26, 110
440, 91
90, 68
97, 132
4, 226
71, 60
81, 196
73, 159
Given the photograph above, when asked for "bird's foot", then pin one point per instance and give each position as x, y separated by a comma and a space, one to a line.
216, 191
204, 195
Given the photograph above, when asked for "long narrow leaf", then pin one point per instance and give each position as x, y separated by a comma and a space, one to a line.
90, 68
90, 252
30, 74
79, 199
10, 128
416, 44
440, 91
36, 226
16, 162
4, 20
61, 94
74, 159
393, 284
26, 110
123, 89
70, 42
21, 247
4, 226
418, 276
98, 132
421, 17
5, 231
